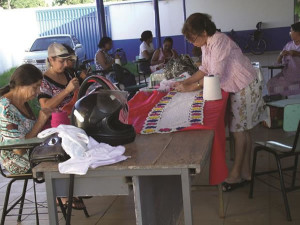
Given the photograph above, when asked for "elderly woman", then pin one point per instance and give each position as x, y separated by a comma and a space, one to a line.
57, 85
287, 82
222, 57
17, 120
163, 55
103, 60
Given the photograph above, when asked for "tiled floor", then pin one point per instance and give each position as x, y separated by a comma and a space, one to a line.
265, 209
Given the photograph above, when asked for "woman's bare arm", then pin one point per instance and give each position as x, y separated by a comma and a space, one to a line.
100, 58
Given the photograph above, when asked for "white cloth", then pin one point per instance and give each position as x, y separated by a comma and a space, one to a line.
85, 152
177, 112
145, 47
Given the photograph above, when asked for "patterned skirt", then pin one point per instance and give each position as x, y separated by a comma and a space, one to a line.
247, 107
14, 163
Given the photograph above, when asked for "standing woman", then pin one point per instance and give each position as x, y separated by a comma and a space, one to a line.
17, 120
222, 57
57, 85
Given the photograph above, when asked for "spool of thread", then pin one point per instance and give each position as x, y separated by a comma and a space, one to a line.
118, 61
211, 88
60, 117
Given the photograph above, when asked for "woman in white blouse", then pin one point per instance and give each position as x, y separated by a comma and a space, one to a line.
146, 48
146, 51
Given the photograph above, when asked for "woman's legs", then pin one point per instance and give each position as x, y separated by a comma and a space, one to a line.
241, 165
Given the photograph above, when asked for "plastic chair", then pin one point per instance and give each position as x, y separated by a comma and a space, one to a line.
279, 151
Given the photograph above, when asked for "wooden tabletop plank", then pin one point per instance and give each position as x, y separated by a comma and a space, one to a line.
181, 149
191, 149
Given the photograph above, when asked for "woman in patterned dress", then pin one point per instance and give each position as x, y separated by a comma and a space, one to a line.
222, 57
17, 120
103, 60
57, 86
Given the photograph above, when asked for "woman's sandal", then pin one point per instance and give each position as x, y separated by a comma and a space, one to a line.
77, 204
226, 187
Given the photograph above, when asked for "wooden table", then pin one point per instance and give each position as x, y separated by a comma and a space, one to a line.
159, 171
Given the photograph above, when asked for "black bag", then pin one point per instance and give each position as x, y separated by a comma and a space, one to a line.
49, 151
123, 76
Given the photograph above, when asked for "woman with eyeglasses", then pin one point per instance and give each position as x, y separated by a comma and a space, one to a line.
222, 57
57, 86
287, 82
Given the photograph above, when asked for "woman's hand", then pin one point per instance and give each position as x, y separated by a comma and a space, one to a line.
73, 85
293, 53
284, 53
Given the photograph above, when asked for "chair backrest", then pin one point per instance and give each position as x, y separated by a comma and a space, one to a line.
291, 115
296, 145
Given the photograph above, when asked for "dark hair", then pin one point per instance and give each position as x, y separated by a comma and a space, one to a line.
69, 49
197, 23
168, 39
24, 75
147, 34
296, 27
104, 41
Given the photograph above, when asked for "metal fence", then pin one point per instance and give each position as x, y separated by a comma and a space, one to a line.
81, 22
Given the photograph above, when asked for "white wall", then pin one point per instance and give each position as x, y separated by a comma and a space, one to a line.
18, 30
129, 20
244, 14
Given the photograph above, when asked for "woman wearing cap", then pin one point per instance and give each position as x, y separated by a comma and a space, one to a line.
287, 82
17, 120
57, 86
221, 56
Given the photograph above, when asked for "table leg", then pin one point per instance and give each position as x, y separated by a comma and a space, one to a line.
51, 199
221, 202
186, 194
158, 199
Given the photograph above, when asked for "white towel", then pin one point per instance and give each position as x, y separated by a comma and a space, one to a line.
85, 152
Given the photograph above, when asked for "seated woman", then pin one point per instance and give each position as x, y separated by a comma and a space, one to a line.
146, 51
17, 120
103, 60
163, 55
287, 82
71, 65
57, 85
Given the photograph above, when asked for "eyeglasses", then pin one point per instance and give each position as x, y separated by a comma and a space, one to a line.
193, 41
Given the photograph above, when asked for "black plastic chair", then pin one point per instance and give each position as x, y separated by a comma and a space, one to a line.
21, 200
279, 151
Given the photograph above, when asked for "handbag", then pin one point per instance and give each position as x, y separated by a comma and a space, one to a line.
49, 151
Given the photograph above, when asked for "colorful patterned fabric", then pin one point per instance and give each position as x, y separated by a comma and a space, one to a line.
174, 112
50, 88
247, 107
13, 125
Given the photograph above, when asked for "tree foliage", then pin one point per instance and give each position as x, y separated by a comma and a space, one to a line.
13, 4
72, 2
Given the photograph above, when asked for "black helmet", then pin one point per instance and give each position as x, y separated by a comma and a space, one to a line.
98, 114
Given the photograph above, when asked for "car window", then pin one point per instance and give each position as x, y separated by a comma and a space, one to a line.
41, 44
